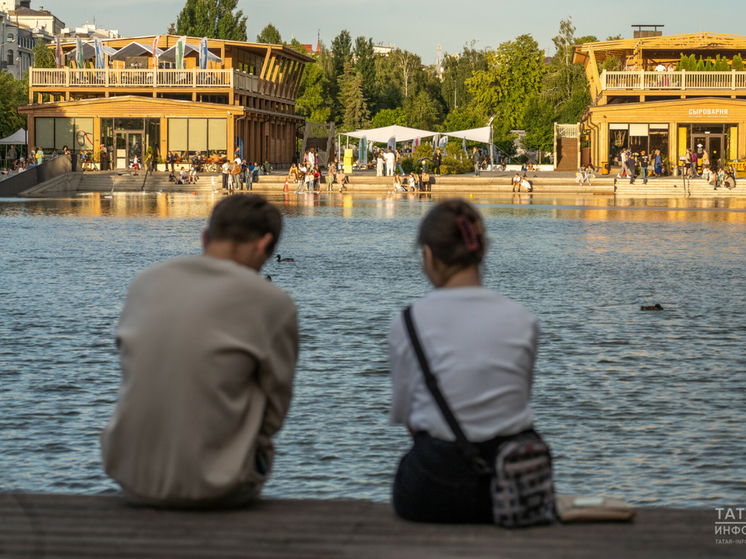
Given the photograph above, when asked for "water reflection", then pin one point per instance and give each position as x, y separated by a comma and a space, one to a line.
181, 205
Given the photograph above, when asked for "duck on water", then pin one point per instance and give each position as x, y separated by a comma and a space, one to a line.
280, 259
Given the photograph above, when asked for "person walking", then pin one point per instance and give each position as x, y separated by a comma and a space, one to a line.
644, 162
437, 161
379, 165
695, 171
476, 158
226, 174
631, 163
399, 168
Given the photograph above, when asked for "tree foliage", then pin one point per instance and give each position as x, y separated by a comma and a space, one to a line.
13, 93
270, 35
456, 70
355, 113
43, 56
514, 74
389, 117
214, 19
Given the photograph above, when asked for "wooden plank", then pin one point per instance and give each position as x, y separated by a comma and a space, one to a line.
93, 526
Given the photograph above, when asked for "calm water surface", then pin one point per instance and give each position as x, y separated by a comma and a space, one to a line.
646, 406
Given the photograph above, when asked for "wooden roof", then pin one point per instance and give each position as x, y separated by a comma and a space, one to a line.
166, 41
718, 43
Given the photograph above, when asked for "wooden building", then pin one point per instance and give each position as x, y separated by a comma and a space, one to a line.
642, 100
245, 97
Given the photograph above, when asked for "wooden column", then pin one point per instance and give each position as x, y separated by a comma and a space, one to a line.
31, 132
231, 127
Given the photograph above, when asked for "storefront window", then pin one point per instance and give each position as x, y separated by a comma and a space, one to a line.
204, 135
129, 124
44, 133
107, 133
618, 139
153, 136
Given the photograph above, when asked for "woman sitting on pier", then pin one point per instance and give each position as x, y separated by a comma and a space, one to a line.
481, 348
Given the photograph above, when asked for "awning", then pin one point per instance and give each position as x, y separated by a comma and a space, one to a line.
473, 134
135, 49
382, 135
18, 137
89, 51
169, 55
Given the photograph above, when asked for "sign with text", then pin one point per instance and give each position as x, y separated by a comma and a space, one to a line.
709, 113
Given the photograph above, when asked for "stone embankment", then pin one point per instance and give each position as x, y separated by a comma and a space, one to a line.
543, 183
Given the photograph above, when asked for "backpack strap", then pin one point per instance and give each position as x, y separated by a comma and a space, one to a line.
469, 450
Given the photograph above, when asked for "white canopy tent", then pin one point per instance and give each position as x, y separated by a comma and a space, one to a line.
17, 138
384, 134
134, 49
169, 55
483, 134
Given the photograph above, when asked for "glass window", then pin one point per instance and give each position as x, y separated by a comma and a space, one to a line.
107, 133
177, 134
617, 142
10, 57
64, 133
704, 128
83, 134
153, 135
197, 135
44, 133
218, 135
659, 141
129, 124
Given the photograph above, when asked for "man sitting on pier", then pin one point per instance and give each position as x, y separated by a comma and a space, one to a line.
208, 350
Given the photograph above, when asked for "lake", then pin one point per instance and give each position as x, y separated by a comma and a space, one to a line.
646, 406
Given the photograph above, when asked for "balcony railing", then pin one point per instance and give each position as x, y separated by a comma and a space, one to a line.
683, 80
112, 78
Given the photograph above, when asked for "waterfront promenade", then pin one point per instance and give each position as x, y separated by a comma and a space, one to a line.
90, 526
553, 182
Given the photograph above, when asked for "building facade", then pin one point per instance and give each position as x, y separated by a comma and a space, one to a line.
643, 99
244, 99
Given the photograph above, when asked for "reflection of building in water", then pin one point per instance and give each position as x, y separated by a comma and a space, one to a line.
645, 99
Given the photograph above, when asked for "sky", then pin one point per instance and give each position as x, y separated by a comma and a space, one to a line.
421, 25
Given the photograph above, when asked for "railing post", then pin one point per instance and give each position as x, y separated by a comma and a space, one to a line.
733, 80
106, 72
603, 80
194, 77
233, 73
683, 79
67, 76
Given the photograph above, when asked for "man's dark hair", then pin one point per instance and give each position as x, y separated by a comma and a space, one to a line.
244, 219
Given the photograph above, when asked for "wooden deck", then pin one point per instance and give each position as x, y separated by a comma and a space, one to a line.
89, 526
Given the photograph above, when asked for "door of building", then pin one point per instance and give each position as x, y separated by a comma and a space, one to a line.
126, 146
713, 143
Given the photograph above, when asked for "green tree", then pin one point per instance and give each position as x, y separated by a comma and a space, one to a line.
355, 109
514, 74
333, 64
462, 118
407, 64
270, 35
737, 63
365, 65
43, 56
422, 111
389, 117
13, 93
214, 19
456, 70
311, 102
539, 124
389, 93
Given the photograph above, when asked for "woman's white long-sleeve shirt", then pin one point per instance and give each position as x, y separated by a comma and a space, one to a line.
481, 348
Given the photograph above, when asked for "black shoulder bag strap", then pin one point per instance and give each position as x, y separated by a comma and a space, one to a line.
469, 450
